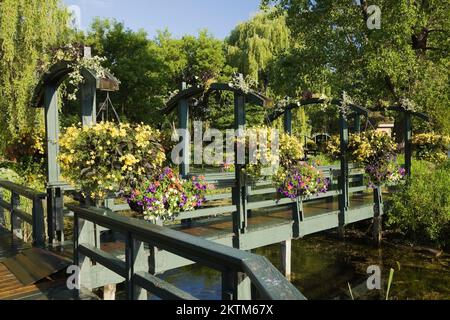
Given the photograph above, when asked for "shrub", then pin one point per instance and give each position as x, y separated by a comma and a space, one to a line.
421, 208
108, 157
431, 147
322, 160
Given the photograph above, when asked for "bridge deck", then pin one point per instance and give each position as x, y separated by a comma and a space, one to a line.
52, 287
263, 218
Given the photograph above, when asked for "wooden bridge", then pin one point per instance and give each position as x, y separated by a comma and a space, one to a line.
109, 248
38, 271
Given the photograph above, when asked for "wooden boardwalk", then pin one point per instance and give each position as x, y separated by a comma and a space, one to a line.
27, 266
261, 219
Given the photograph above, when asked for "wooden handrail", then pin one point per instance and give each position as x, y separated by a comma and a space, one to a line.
22, 191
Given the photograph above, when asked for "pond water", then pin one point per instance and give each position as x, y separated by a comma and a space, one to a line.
324, 267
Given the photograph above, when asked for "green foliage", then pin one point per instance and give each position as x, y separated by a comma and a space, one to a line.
322, 160
335, 51
421, 208
26, 154
253, 44
29, 29
156, 66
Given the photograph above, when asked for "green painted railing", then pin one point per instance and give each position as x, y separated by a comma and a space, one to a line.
232, 263
35, 218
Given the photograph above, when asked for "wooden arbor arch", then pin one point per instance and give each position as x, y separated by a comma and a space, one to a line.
181, 101
356, 112
46, 97
239, 190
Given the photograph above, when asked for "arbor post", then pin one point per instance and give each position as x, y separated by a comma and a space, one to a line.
183, 124
288, 121
378, 215
408, 143
343, 179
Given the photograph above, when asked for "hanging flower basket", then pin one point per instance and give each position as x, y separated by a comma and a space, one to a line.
166, 195
374, 150
300, 180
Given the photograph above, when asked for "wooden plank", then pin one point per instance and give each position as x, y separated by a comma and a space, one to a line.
359, 214
49, 262
105, 259
160, 288
271, 284
25, 292
24, 216
201, 213
5, 204
319, 223
223, 196
19, 271
264, 237
21, 190
34, 264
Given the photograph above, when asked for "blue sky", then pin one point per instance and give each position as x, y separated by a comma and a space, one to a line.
179, 16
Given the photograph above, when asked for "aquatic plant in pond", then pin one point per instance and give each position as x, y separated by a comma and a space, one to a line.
299, 180
167, 194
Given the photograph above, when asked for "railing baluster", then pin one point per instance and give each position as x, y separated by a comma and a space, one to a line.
129, 262
228, 285
2, 211
16, 224
378, 215
135, 261
38, 223
76, 253
76, 237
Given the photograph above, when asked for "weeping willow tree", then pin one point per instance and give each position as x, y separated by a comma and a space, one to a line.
252, 45
28, 31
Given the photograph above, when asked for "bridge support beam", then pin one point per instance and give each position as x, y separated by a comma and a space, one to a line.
288, 121
236, 286
408, 143
286, 258
109, 292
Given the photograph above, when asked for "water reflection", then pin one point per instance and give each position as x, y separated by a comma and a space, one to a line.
324, 266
